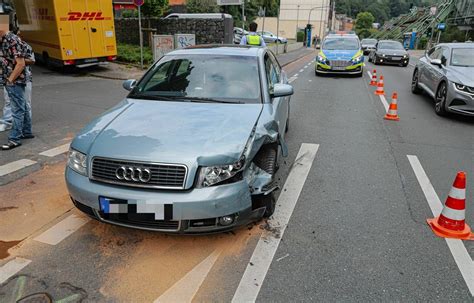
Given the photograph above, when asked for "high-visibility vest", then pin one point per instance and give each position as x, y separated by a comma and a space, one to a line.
253, 40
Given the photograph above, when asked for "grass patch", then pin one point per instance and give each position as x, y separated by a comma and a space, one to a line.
131, 54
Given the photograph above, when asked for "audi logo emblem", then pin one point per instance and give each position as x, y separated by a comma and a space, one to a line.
135, 174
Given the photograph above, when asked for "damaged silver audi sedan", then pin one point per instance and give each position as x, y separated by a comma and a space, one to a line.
192, 149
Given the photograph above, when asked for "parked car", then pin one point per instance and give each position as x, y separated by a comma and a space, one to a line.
446, 73
238, 34
389, 52
340, 54
269, 37
368, 45
187, 151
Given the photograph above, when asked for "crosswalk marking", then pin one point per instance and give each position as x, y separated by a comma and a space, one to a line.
15, 166
62, 230
56, 151
12, 268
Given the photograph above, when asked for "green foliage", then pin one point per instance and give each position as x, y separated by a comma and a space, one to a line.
364, 22
130, 13
131, 54
299, 36
452, 33
154, 8
202, 6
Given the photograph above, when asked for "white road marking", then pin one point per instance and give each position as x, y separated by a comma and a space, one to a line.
457, 248
185, 289
295, 75
384, 102
62, 230
12, 268
291, 80
56, 151
309, 80
267, 246
14, 166
370, 74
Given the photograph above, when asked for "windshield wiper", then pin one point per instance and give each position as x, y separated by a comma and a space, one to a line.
154, 97
208, 100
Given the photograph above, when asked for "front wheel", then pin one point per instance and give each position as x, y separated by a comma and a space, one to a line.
415, 88
440, 99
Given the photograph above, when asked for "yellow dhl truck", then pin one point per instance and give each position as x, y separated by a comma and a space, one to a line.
68, 32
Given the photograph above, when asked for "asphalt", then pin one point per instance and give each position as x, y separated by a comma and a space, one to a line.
358, 232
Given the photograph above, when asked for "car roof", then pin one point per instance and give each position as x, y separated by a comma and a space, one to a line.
457, 45
220, 49
389, 41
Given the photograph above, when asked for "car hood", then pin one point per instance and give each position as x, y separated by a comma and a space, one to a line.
462, 75
392, 52
339, 54
171, 132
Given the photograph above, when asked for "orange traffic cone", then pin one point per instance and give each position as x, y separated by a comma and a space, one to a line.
380, 90
373, 82
392, 113
451, 222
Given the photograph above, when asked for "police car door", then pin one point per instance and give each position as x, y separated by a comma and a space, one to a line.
280, 105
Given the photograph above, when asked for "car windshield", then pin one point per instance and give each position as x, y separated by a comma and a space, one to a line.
341, 44
207, 78
390, 45
369, 41
462, 57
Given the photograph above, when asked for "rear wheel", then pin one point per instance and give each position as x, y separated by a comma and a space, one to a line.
414, 83
440, 99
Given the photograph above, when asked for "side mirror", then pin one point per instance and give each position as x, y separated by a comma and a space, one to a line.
407, 48
129, 84
436, 62
282, 90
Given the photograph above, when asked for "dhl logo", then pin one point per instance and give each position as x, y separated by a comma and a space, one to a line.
86, 16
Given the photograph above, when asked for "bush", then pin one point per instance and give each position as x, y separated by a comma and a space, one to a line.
131, 54
299, 36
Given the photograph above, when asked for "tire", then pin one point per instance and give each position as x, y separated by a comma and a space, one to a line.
440, 99
317, 74
360, 74
415, 88
267, 159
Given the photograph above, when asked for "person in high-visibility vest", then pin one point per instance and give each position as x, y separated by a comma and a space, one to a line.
253, 38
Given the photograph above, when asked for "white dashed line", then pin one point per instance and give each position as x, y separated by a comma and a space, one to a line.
295, 75
384, 102
457, 248
14, 166
267, 246
370, 74
301, 70
56, 151
185, 289
62, 230
12, 268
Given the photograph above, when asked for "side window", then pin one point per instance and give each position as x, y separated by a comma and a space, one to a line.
160, 76
445, 56
272, 72
437, 53
183, 67
276, 77
430, 52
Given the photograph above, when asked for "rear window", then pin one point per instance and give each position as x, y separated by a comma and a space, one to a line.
369, 41
390, 45
462, 57
341, 44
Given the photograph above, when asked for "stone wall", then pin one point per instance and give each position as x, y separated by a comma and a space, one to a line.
207, 31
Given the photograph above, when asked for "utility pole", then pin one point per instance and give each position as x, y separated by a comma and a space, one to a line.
243, 15
297, 19
321, 22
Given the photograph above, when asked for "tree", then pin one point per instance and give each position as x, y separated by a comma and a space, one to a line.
202, 6
364, 20
154, 8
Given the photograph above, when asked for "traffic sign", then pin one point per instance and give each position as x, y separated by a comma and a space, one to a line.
441, 26
138, 2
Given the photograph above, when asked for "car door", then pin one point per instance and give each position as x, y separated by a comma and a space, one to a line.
280, 105
431, 71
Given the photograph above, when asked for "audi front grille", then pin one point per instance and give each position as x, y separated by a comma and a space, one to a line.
139, 174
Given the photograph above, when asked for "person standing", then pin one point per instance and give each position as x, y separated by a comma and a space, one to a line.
253, 38
6, 121
14, 78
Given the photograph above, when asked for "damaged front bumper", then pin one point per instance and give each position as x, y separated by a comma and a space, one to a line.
200, 210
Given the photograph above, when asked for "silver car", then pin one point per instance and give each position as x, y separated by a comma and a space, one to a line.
192, 149
446, 73
269, 37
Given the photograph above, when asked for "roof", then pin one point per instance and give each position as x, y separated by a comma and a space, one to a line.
220, 49
459, 45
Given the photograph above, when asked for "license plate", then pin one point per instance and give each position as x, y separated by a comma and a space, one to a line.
339, 68
397, 58
91, 60
112, 206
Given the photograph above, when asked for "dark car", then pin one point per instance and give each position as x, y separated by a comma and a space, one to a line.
389, 52
446, 73
368, 45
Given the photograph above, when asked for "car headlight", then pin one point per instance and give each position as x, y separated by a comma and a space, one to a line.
321, 59
405, 56
357, 59
464, 88
77, 161
212, 175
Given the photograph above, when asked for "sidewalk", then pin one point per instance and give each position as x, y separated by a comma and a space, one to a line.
118, 71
